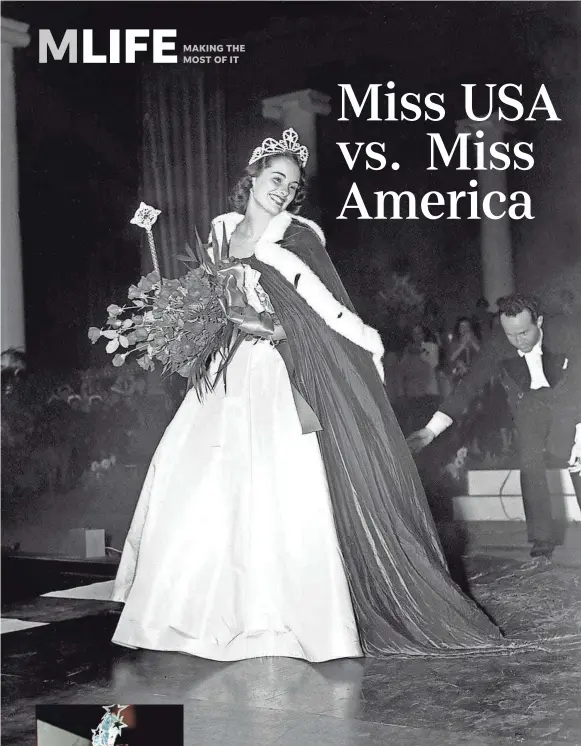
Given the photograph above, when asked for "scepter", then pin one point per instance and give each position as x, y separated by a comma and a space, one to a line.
145, 216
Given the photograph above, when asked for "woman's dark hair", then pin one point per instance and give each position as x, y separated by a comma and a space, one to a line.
512, 305
241, 192
459, 321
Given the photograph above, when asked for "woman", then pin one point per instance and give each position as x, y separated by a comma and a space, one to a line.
261, 531
464, 348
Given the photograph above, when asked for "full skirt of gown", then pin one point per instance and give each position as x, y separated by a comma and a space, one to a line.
232, 552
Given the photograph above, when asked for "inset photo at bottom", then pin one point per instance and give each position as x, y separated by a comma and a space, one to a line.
109, 725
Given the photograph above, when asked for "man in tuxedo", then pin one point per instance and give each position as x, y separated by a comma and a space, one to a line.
539, 362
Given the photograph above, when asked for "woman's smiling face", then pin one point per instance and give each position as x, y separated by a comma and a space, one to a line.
275, 188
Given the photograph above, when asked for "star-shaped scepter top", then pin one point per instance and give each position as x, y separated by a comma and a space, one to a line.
105, 734
145, 216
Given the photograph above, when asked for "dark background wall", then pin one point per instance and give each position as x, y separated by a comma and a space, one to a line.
79, 140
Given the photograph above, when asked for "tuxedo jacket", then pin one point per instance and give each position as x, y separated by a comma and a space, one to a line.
561, 359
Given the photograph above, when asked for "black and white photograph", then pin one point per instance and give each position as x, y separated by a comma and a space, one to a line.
291, 373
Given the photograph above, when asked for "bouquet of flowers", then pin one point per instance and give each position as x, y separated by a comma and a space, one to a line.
183, 324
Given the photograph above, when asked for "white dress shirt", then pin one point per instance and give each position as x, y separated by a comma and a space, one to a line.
534, 361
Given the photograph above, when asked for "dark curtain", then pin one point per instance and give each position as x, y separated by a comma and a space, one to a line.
184, 157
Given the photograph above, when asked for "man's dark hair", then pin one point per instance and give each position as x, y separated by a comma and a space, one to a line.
512, 305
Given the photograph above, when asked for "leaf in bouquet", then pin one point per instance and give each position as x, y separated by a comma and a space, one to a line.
185, 369
110, 334
114, 310
141, 334
127, 323
144, 285
207, 346
94, 334
118, 360
225, 246
134, 292
191, 257
145, 362
165, 293
112, 345
163, 356
123, 341
186, 259
230, 349
197, 252
194, 327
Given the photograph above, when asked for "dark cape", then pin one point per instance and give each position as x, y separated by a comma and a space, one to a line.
404, 599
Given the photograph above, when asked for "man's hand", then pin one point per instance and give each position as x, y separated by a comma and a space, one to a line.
420, 439
575, 458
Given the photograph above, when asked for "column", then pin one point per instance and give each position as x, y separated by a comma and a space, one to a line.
495, 241
14, 34
299, 110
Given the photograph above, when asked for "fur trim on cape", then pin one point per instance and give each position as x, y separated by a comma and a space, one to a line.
307, 284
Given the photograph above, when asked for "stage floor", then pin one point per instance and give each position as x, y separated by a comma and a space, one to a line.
527, 698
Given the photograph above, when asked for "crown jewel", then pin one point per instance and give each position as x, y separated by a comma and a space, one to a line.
288, 144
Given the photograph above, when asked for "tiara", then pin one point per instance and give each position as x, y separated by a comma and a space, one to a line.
105, 734
288, 144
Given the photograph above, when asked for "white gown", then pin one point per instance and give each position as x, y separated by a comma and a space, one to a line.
232, 552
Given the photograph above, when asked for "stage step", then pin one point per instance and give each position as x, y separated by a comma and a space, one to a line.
495, 495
